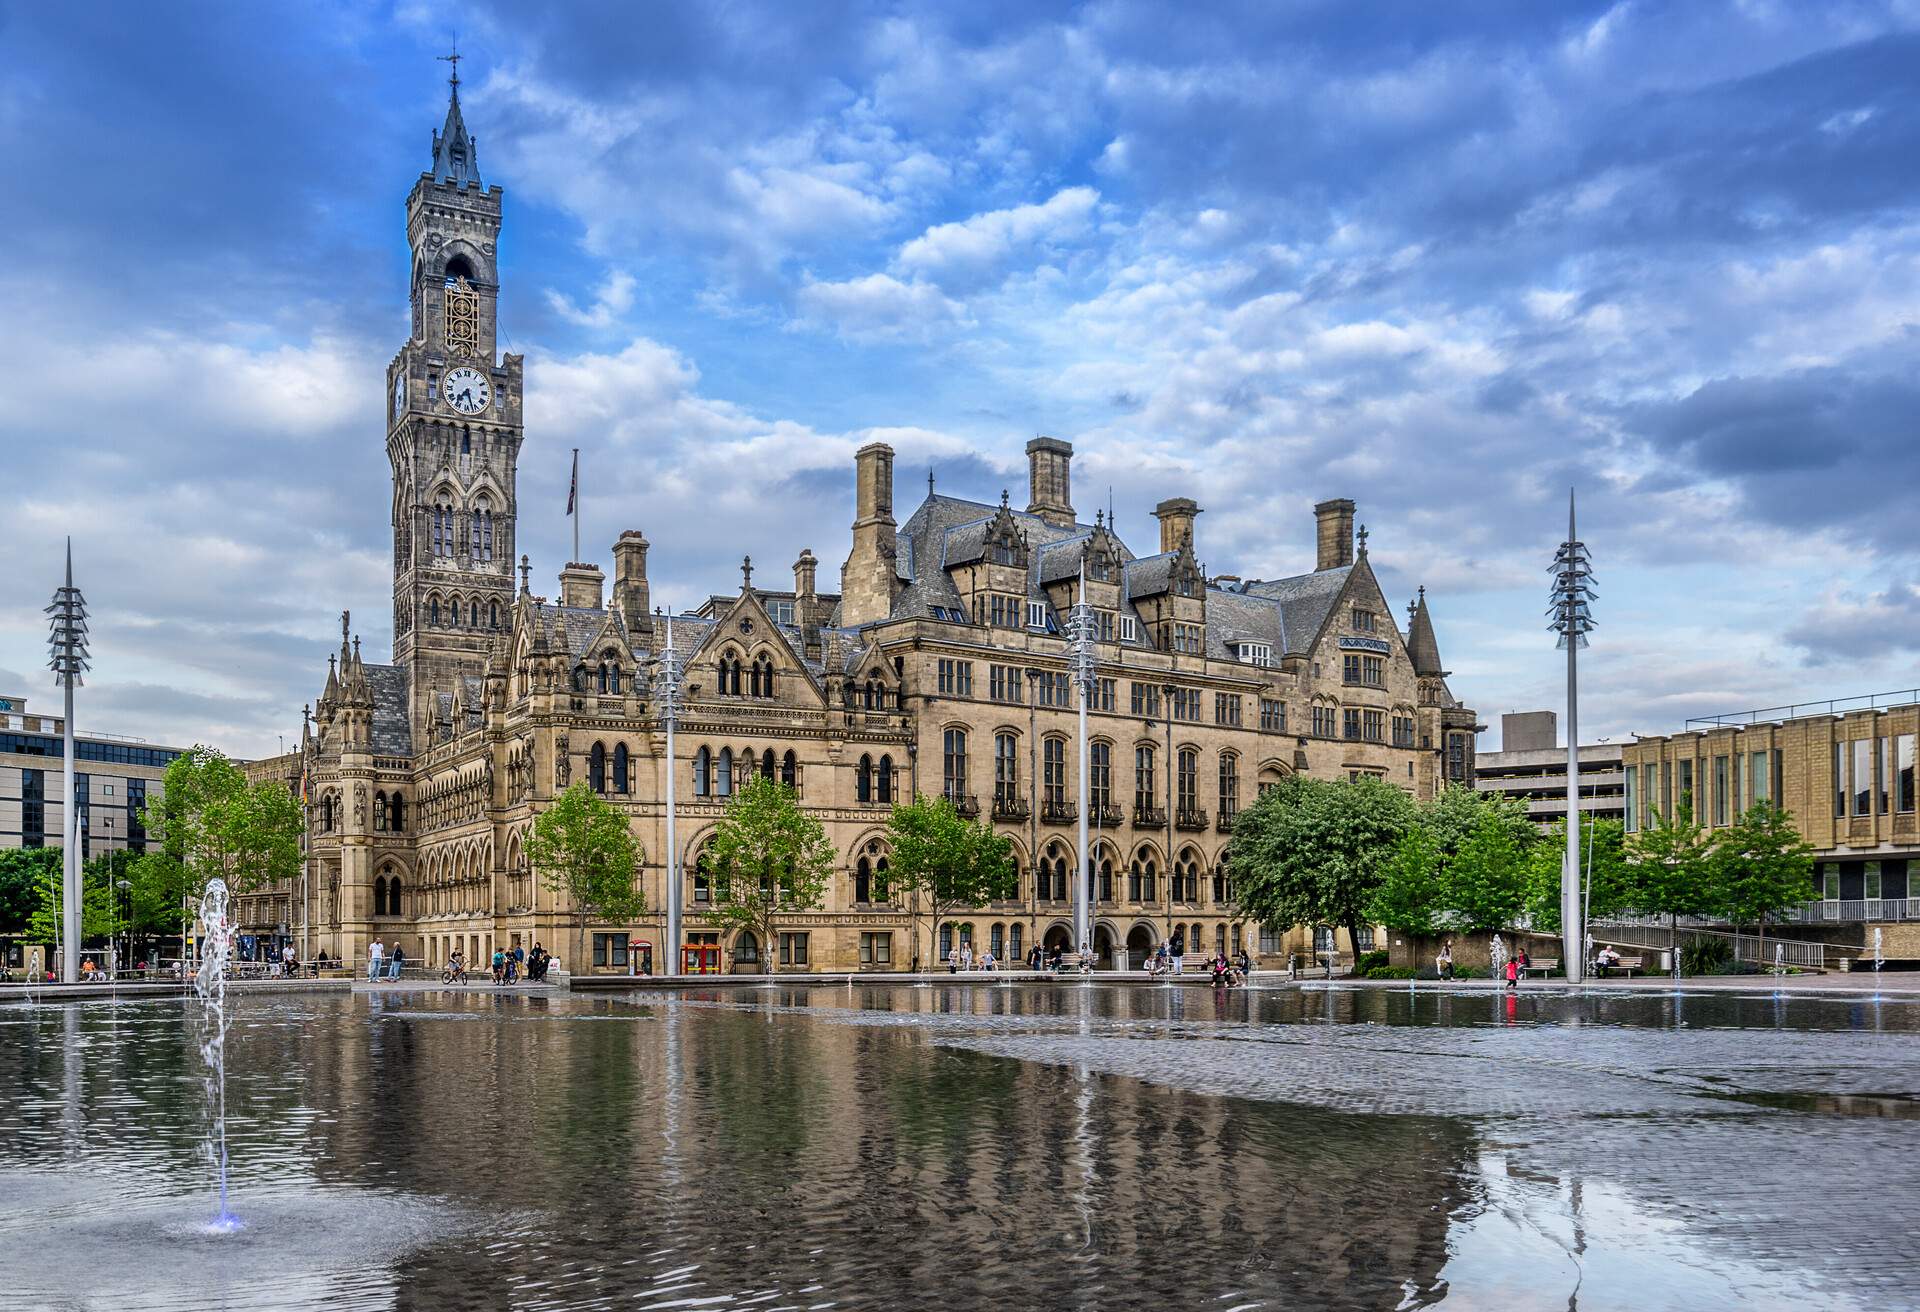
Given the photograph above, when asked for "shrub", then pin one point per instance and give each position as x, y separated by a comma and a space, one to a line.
1367, 961
1705, 956
1388, 972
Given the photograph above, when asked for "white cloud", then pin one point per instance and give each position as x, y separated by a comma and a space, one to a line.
878, 305
974, 249
613, 300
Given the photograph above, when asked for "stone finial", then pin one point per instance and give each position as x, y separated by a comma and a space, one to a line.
746, 573
1361, 534
526, 574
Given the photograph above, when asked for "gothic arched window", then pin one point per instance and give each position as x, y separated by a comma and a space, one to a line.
790, 770
493, 614
397, 814
767, 764
1189, 781
883, 779
863, 780
393, 896
702, 772
723, 776
597, 768
380, 896
620, 768
953, 771
380, 813
1006, 768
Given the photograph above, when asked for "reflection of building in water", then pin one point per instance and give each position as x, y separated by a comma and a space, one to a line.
940, 666
873, 1163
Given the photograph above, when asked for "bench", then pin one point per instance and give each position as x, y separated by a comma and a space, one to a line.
1628, 966
1543, 966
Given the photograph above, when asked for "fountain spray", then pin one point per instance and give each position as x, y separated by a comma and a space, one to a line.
210, 982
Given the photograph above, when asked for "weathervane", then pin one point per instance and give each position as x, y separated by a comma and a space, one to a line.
453, 79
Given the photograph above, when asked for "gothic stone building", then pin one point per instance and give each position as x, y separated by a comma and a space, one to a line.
940, 667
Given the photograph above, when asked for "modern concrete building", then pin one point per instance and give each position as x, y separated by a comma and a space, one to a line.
1532, 765
1843, 769
113, 778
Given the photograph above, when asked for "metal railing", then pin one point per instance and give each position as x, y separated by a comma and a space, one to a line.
1834, 706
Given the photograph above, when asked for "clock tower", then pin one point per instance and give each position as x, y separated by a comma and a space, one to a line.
453, 432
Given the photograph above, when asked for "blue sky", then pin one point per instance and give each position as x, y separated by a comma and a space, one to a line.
1446, 260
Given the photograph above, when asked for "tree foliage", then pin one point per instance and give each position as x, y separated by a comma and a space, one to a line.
767, 856
1463, 863
1603, 870
25, 875
1316, 851
584, 848
1761, 867
946, 860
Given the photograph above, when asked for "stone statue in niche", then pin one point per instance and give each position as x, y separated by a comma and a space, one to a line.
562, 764
360, 806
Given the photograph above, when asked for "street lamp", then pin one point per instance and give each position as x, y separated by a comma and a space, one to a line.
1572, 572
667, 693
67, 643
1082, 661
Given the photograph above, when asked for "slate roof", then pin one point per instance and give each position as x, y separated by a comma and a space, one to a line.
1304, 601
1422, 647
1234, 617
392, 726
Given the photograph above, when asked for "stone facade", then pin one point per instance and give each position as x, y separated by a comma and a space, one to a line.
939, 667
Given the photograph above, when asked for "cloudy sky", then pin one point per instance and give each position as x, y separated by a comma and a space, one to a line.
1446, 260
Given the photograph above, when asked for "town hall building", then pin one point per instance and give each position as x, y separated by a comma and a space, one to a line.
938, 666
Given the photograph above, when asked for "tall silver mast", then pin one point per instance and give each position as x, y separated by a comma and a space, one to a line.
1572, 591
67, 643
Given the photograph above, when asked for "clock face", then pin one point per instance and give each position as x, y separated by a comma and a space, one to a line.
467, 390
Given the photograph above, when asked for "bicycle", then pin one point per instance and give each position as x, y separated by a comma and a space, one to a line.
453, 974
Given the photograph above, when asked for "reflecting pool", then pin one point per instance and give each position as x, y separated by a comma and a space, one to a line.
1066, 1145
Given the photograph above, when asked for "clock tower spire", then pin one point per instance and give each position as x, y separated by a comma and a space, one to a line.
453, 428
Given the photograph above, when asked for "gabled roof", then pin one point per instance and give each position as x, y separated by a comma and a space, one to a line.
456, 155
1305, 601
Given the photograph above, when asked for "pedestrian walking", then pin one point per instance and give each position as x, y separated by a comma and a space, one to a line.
1443, 965
375, 955
399, 958
1178, 952
1513, 972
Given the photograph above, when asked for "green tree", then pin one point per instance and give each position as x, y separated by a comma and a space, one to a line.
1458, 864
101, 917
768, 857
1604, 871
1487, 878
1316, 851
210, 823
25, 873
948, 861
1762, 866
1411, 896
1672, 872
584, 848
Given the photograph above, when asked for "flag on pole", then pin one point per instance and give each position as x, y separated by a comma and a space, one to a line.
573, 484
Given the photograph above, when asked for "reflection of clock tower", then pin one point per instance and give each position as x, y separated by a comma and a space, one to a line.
453, 432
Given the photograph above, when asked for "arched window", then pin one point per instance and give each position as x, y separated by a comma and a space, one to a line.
1100, 776
443, 527
380, 896
473, 613
1189, 782
1229, 785
393, 896
620, 767
453, 613
326, 813
946, 939
1142, 876
433, 610
863, 880
1053, 772
953, 765
1050, 874
493, 614
397, 814
767, 766
1100, 877
1014, 944
863, 780
380, 813
763, 675
613, 675
997, 939
1143, 791
790, 770
1006, 768
1186, 877
883, 779
597, 768
723, 775
703, 876
702, 772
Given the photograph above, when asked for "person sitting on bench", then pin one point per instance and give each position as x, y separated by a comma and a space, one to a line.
1607, 960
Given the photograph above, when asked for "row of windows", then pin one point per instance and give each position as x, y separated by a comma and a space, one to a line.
955, 774
389, 813
1366, 671
1873, 776
86, 749
718, 774
445, 538
739, 678
459, 614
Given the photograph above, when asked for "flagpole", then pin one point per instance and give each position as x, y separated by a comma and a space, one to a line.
573, 504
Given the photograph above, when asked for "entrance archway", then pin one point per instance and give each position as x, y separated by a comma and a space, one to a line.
746, 954
1058, 937
1103, 948
1139, 947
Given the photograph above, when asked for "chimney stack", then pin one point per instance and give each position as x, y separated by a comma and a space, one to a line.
1176, 516
1335, 522
582, 586
806, 603
630, 580
1049, 475
869, 581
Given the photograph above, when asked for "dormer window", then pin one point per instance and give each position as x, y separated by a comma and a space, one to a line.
1129, 629
1256, 653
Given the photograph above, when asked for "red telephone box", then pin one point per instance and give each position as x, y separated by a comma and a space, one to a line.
639, 957
700, 959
